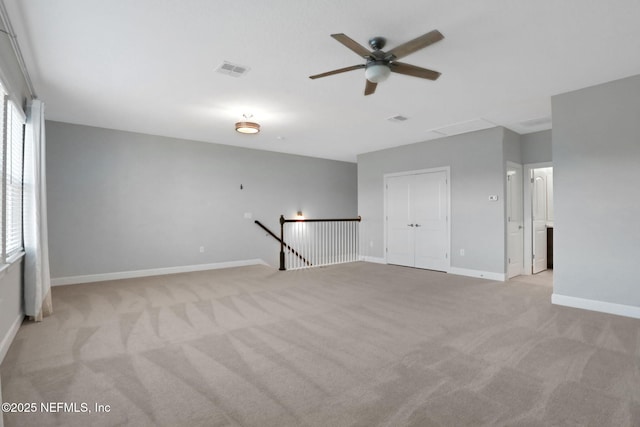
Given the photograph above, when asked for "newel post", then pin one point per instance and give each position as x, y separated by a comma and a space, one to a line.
282, 243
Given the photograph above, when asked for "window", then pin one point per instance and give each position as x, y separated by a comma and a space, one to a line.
11, 164
13, 179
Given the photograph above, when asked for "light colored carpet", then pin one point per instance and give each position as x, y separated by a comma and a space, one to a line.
350, 345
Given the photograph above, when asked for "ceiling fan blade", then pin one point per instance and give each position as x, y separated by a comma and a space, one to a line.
352, 44
412, 70
416, 44
370, 87
338, 71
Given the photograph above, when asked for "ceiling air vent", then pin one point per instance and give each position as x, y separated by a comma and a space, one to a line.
231, 69
397, 119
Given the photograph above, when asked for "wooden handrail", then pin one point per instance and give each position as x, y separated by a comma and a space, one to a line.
282, 242
358, 219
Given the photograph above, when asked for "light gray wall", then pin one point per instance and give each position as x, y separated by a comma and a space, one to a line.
121, 201
512, 148
10, 303
536, 147
477, 171
596, 159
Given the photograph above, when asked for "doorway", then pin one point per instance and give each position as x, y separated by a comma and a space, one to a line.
417, 231
539, 228
515, 220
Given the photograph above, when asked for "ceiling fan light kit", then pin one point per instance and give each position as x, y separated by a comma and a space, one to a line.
380, 64
377, 71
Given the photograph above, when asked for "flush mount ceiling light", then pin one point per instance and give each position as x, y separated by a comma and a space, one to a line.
246, 126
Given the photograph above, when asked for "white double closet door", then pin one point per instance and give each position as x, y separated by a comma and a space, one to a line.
417, 219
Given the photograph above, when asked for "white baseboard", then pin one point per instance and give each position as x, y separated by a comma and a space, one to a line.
72, 280
10, 335
595, 305
453, 270
478, 273
375, 260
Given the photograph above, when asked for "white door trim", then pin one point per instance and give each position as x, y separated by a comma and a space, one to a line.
528, 213
447, 170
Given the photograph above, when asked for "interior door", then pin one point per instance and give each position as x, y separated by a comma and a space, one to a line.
429, 208
400, 238
515, 221
539, 207
417, 220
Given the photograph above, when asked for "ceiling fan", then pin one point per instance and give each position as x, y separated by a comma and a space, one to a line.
380, 64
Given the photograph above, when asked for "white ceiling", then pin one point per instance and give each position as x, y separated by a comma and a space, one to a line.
149, 66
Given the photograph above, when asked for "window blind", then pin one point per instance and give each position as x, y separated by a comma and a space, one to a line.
13, 187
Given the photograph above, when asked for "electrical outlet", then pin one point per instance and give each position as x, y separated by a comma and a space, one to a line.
201, 249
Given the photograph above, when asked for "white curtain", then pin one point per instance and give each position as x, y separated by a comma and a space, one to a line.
37, 280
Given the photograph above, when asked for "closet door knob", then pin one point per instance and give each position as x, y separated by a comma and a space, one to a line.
409, 225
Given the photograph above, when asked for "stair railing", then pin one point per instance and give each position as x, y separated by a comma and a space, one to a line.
318, 242
282, 243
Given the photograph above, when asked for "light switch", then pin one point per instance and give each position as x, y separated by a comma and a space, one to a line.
493, 198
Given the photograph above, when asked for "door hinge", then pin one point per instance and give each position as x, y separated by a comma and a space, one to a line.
509, 260
533, 256
446, 255
532, 180
386, 249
